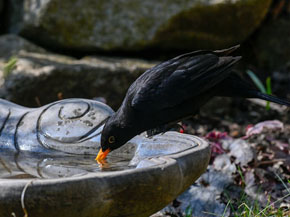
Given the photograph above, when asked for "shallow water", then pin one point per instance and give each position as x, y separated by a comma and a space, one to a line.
137, 153
35, 165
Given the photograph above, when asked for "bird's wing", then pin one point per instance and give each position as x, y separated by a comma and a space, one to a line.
172, 82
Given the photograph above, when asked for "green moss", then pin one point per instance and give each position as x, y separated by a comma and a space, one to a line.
128, 25
214, 26
70, 26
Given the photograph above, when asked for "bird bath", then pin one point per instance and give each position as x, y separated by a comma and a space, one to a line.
47, 164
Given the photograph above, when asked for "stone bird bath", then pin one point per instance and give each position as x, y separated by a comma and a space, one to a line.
47, 164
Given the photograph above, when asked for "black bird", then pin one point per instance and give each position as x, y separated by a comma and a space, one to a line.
174, 90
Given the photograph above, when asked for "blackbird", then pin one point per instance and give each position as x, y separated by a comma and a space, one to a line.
174, 90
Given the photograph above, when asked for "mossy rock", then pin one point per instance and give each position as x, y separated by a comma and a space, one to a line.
86, 25
213, 26
39, 77
11, 45
272, 45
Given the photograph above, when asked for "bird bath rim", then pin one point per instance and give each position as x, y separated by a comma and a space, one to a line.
136, 192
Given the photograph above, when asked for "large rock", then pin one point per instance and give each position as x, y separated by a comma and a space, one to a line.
133, 25
42, 77
272, 44
11, 45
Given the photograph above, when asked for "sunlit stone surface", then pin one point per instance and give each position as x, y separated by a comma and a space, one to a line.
50, 151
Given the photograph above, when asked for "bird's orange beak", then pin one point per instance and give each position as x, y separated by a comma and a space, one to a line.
102, 155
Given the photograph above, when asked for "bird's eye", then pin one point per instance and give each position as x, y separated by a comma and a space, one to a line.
111, 139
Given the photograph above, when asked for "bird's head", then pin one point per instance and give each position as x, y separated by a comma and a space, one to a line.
114, 135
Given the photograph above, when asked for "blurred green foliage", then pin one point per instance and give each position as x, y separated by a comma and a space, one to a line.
9, 66
260, 85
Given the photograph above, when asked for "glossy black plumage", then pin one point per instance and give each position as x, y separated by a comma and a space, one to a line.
174, 90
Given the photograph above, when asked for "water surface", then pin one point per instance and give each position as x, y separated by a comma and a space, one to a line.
137, 153
36, 165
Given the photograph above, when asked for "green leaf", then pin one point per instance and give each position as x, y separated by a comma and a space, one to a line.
8, 67
257, 81
188, 211
269, 90
260, 85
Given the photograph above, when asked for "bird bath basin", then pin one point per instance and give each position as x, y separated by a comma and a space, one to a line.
47, 164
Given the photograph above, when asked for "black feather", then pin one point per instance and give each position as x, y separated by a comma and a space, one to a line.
176, 89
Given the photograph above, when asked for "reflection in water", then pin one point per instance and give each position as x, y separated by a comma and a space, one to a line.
139, 152
35, 165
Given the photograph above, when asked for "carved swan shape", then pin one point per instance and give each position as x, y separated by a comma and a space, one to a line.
70, 126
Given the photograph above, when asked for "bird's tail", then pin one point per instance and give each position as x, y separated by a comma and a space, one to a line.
226, 52
235, 86
260, 95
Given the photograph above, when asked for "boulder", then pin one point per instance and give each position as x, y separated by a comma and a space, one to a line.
41, 77
12, 44
272, 44
110, 25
